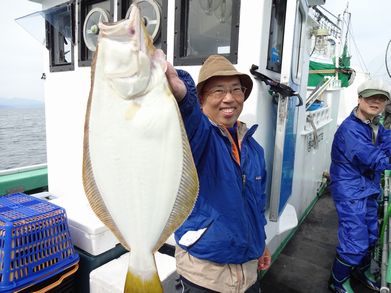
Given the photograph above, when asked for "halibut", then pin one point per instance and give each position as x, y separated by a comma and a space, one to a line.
138, 171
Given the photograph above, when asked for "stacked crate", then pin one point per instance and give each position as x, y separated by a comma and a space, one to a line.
35, 244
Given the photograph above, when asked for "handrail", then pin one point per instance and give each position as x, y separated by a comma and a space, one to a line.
384, 235
22, 169
317, 92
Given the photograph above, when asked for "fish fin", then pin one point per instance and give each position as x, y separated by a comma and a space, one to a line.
135, 284
187, 192
96, 202
90, 188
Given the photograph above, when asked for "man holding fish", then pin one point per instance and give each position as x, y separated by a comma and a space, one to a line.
133, 133
221, 245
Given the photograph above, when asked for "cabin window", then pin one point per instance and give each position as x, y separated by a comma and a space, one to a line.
90, 13
276, 36
60, 36
297, 46
204, 27
154, 13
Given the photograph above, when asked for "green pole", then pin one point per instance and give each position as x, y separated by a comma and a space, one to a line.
385, 228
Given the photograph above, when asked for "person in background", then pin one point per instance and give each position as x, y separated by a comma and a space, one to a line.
387, 116
361, 150
221, 245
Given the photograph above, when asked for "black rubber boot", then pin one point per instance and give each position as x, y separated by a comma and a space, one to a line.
363, 274
340, 277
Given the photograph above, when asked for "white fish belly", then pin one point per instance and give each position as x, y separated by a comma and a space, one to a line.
136, 156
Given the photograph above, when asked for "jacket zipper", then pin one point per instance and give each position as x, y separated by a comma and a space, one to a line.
233, 145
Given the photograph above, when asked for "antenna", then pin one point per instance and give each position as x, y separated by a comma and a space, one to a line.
388, 58
91, 28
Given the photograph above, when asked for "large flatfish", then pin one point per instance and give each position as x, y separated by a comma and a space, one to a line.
138, 170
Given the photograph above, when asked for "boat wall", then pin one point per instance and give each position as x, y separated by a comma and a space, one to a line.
65, 110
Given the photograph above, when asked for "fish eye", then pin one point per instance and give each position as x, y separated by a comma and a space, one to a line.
132, 31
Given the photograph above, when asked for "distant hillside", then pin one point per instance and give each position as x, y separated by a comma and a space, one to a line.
20, 103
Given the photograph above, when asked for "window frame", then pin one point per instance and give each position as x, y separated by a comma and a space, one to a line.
298, 45
83, 5
52, 33
269, 63
180, 35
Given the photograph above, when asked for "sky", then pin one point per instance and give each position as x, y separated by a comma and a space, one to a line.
21, 57
370, 33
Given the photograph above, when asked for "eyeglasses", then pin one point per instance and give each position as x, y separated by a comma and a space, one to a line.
221, 92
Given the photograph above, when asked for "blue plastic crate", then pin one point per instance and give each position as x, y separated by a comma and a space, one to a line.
35, 242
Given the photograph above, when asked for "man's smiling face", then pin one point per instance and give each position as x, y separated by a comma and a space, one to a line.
222, 99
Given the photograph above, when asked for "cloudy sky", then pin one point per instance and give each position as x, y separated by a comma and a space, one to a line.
370, 32
21, 55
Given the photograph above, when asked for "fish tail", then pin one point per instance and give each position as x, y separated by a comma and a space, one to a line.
136, 284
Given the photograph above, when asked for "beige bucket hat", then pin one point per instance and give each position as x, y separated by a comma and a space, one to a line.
217, 65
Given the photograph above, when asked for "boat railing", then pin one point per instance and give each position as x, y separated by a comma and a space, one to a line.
318, 91
27, 179
318, 113
22, 169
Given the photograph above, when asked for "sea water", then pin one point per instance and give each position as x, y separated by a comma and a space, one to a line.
22, 137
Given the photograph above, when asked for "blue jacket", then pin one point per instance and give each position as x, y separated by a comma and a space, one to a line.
356, 161
231, 200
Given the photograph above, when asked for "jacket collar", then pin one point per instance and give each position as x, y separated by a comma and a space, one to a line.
241, 129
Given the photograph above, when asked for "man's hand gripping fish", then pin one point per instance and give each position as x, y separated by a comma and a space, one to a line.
138, 170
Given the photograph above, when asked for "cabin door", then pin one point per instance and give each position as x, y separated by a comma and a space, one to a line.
287, 110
